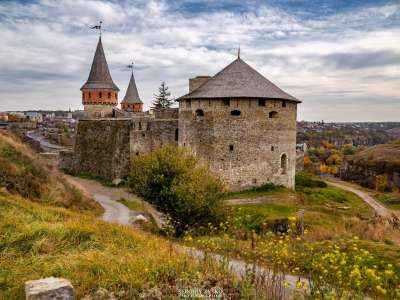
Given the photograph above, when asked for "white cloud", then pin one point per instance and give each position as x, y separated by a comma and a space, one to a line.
48, 47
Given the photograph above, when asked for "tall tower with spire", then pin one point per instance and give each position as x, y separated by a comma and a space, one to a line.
131, 101
99, 93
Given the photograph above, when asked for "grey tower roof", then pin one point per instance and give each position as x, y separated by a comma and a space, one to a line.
99, 76
132, 95
238, 80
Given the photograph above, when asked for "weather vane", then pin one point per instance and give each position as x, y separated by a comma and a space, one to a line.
130, 66
98, 27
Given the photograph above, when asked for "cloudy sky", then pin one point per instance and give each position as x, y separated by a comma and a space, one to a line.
340, 57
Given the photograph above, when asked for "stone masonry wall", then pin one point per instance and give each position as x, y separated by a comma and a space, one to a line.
102, 147
247, 149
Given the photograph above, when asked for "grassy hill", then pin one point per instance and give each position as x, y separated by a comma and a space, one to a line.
380, 158
24, 173
50, 228
38, 241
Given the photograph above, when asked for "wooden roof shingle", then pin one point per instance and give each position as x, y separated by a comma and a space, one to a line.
99, 76
238, 80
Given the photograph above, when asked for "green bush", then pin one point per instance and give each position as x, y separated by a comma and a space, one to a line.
303, 181
173, 180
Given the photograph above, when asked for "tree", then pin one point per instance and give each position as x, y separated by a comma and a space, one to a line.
162, 99
175, 181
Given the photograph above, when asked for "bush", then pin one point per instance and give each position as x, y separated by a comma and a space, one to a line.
303, 181
174, 181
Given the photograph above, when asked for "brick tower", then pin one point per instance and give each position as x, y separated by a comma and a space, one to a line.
99, 93
131, 101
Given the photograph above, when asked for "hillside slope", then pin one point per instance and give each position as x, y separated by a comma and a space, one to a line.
24, 173
39, 241
380, 158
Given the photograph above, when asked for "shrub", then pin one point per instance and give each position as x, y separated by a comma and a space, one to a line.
175, 182
303, 181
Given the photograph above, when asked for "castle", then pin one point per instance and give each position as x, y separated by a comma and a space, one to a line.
237, 121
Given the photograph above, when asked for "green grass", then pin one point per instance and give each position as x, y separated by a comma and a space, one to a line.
132, 205
325, 208
266, 189
39, 241
390, 200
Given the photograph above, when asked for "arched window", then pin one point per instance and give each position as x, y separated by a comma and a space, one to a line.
176, 134
273, 114
199, 113
283, 163
100, 94
109, 95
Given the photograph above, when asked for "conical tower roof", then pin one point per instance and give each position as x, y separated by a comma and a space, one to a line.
238, 80
99, 76
132, 95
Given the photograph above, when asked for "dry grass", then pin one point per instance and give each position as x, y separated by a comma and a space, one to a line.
24, 173
38, 241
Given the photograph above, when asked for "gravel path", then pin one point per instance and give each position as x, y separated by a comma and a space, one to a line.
114, 211
379, 208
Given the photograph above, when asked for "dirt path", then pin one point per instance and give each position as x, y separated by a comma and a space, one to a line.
379, 208
114, 211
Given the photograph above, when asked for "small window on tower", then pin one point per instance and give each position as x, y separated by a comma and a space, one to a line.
90, 95
235, 112
226, 102
230, 147
272, 148
189, 104
261, 102
100, 94
273, 114
109, 95
283, 103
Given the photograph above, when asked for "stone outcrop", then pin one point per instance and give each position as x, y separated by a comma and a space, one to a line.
50, 288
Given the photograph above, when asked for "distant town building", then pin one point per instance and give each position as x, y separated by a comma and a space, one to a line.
3, 116
34, 116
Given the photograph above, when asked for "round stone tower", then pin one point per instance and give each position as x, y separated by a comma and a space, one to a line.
99, 93
242, 125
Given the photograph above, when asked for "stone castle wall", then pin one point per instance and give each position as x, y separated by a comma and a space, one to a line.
247, 149
104, 147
